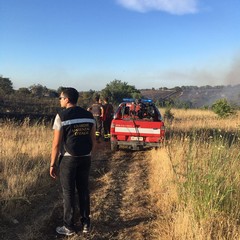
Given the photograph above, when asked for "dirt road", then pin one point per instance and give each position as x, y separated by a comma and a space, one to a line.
121, 206
120, 202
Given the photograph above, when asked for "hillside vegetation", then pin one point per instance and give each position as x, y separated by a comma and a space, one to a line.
195, 97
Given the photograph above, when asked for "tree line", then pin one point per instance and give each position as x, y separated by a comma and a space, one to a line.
39, 100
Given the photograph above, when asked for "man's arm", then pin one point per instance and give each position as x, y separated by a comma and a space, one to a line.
102, 112
55, 152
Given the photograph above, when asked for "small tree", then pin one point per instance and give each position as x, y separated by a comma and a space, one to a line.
6, 86
86, 98
222, 108
37, 90
23, 91
117, 90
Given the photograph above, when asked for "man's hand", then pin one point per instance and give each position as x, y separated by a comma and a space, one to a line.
53, 172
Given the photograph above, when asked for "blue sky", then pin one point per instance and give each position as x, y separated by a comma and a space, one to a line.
146, 43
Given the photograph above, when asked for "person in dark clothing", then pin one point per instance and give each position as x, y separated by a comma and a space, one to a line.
73, 141
107, 118
97, 110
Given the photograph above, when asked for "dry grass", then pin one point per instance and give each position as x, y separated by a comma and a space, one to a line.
24, 160
193, 182
202, 119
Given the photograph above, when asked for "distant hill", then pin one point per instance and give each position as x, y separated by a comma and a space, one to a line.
197, 96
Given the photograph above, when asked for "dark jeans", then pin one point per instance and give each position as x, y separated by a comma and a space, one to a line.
98, 125
107, 126
74, 173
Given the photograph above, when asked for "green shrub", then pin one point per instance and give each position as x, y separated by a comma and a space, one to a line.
222, 108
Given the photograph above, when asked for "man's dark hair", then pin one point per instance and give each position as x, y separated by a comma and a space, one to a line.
71, 93
97, 98
106, 99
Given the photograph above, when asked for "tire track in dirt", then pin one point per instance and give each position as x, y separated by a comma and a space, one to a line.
107, 200
137, 203
120, 204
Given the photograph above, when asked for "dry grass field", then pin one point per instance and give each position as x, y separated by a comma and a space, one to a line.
187, 189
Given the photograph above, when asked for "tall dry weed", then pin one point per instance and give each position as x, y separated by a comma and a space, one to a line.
25, 153
198, 190
190, 119
163, 191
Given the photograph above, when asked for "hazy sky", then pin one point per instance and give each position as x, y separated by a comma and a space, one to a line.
146, 43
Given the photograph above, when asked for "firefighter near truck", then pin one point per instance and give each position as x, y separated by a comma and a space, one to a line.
137, 124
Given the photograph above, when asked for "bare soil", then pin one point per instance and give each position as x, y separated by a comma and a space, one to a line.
120, 203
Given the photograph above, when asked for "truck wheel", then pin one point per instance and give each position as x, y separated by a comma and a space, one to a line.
114, 146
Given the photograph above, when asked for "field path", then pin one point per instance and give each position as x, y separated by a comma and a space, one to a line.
121, 206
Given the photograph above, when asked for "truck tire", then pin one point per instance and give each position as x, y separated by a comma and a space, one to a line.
114, 146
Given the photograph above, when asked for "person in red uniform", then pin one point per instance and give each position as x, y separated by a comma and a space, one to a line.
107, 118
97, 110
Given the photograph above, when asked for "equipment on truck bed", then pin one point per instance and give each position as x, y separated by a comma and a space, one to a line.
137, 124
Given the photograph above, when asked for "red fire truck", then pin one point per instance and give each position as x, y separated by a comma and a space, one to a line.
137, 124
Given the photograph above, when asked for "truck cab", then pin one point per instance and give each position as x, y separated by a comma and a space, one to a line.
137, 124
